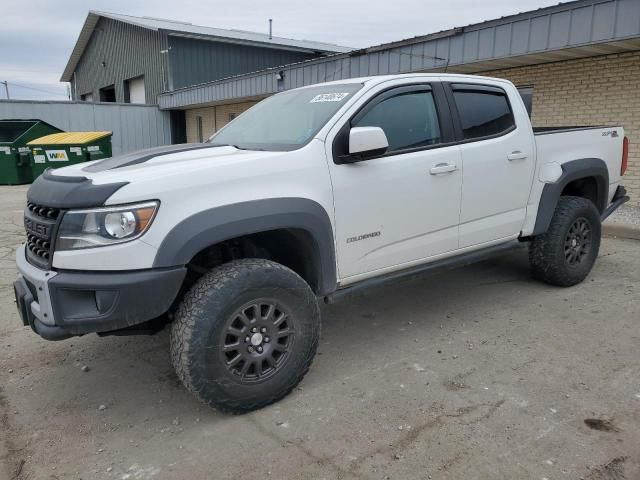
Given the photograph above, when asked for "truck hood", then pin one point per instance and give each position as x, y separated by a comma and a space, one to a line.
160, 161
148, 174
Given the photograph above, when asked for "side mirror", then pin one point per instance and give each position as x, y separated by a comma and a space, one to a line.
366, 142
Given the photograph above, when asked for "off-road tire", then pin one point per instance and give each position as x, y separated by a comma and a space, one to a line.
198, 333
547, 258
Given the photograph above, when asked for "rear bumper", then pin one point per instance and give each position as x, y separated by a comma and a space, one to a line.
619, 198
62, 304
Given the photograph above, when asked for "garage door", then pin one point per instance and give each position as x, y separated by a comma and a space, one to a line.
136, 90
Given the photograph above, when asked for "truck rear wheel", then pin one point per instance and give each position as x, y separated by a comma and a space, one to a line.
245, 335
565, 254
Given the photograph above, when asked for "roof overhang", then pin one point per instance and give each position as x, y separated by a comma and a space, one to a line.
559, 55
261, 84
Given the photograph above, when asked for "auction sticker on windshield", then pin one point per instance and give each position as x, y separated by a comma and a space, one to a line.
328, 97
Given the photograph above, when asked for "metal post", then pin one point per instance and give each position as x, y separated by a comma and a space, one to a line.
6, 88
167, 82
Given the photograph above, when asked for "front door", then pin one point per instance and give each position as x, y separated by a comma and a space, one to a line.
403, 207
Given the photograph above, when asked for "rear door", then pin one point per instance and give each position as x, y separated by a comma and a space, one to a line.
498, 162
402, 207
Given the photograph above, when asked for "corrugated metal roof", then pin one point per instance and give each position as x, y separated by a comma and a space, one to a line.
173, 27
69, 138
576, 29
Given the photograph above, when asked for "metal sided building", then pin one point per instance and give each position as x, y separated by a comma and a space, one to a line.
580, 60
126, 59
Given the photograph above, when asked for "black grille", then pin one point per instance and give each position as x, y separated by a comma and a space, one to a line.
44, 212
40, 223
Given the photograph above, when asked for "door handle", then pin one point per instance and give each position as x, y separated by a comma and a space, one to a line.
517, 155
441, 168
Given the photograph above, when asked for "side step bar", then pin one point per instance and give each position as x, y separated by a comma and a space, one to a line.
421, 270
619, 198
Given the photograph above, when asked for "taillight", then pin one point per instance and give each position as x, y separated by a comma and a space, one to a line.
625, 156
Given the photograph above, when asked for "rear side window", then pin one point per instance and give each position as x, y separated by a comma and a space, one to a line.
410, 120
483, 113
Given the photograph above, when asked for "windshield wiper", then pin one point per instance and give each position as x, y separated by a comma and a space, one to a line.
228, 145
238, 147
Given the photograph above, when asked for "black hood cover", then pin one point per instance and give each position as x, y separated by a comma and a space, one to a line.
69, 192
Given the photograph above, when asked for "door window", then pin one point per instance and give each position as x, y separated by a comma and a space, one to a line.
483, 113
410, 120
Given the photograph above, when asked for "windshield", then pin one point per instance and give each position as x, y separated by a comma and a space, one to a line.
287, 120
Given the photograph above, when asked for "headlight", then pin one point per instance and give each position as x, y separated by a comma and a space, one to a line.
104, 226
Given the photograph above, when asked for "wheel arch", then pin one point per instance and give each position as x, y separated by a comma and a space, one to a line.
216, 225
595, 175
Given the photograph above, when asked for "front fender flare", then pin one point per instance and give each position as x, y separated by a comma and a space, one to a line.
215, 225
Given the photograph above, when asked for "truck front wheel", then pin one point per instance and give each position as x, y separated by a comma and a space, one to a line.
566, 252
245, 335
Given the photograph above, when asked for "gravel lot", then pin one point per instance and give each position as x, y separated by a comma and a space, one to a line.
474, 373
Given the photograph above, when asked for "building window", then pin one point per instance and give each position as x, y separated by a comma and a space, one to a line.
483, 113
87, 97
527, 97
134, 91
199, 127
108, 94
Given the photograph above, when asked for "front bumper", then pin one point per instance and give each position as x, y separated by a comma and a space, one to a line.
62, 304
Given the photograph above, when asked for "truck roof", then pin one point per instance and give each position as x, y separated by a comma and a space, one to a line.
375, 79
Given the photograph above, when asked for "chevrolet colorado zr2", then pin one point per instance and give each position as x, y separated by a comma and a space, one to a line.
312, 194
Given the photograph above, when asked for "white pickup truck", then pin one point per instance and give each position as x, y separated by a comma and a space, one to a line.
310, 195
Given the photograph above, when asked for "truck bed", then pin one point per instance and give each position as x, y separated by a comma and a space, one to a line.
566, 143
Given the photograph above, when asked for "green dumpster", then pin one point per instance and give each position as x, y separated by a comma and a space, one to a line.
15, 168
67, 148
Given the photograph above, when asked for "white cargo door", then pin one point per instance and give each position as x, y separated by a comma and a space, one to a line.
136, 90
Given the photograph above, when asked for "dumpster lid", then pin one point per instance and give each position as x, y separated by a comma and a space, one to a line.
70, 138
12, 129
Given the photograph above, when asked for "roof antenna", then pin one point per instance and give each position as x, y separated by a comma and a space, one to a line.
271, 29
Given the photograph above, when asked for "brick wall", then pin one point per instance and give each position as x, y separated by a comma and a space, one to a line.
592, 91
213, 118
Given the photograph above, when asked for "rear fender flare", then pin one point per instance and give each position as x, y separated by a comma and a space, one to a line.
573, 170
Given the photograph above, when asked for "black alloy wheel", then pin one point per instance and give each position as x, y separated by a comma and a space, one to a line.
257, 340
577, 244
